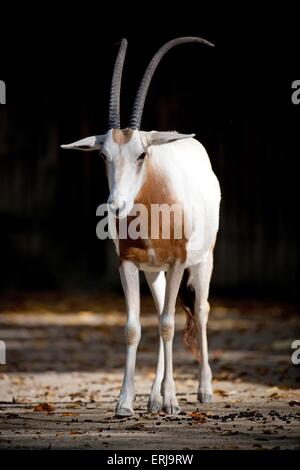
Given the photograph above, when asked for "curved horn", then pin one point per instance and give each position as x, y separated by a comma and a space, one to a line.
114, 102
137, 112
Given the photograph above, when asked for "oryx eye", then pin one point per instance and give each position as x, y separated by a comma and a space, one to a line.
142, 156
102, 155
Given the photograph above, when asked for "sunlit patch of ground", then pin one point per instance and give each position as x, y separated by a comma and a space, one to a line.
65, 357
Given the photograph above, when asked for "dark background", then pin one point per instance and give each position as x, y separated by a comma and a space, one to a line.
236, 98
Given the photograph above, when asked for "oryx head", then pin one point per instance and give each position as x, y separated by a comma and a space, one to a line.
125, 150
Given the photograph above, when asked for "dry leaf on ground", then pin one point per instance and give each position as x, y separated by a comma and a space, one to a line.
44, 407
198, 416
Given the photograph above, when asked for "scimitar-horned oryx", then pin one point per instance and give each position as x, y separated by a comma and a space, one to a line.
152, 168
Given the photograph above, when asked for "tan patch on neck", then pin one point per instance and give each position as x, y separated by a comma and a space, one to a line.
122, 136
155, 190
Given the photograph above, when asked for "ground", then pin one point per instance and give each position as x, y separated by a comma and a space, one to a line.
65, 357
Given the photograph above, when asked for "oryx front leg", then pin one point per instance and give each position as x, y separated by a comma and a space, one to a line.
130, 281
202, 274
157, 284
174, 276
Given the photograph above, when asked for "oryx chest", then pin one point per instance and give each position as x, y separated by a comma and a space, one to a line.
155, 253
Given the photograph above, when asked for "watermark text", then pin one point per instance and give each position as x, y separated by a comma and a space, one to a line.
2, 92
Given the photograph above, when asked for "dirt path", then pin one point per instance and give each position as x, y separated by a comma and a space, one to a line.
64, 370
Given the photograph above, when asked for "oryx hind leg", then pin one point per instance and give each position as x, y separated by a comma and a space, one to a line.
202, 275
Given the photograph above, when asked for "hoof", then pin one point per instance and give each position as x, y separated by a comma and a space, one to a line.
205, 397
154, 405
172, 410
171, 407
123, 413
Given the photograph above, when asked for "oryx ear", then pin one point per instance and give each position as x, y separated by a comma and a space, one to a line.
158, 138
89, 143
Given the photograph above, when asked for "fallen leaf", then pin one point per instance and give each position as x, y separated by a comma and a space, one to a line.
198, 416
274, 395
44, 407
221, 393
